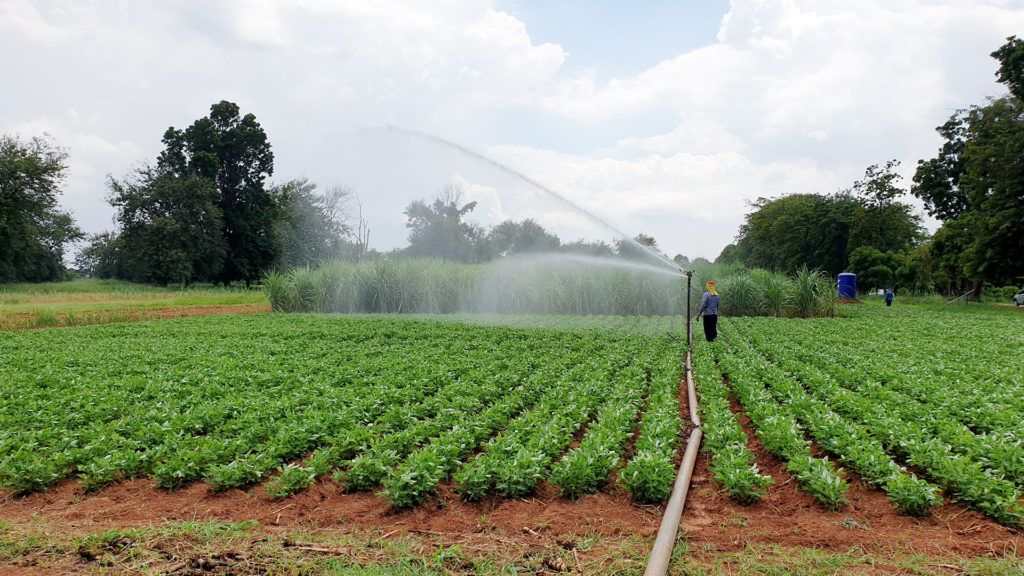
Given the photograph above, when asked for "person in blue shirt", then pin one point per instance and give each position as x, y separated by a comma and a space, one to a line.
888, 297
709, 310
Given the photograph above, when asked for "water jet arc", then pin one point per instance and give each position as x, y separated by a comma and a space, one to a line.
475, 155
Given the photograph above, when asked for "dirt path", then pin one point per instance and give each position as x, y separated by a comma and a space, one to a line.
27, 321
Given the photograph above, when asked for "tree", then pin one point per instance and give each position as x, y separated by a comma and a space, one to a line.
793, 231
637, 248
880, 221
311, 226
821, 232
437, 230
170, 227
597, 248
974, 185
33, 231
101, 256
1011, 66
510, 237
874, 268
233, 152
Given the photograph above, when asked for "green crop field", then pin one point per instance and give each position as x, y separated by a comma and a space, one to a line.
392, 401
886, 389
925, 406
397, 404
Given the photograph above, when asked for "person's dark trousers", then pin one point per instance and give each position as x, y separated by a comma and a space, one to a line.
888, 302
710, 327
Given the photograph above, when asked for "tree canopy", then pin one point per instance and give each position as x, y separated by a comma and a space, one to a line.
510, 237
821, 232
171, 228
33, 230
233, 152
975, 184
437, 230
311, 226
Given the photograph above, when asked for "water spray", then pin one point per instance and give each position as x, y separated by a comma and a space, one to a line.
476, 155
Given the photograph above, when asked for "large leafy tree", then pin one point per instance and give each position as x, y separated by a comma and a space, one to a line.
821, 232
233, 152
511, 237
170, 228
637, 247
879, 220
101, 256
975, 184
798, 230
437, 230
311, 226
33, 230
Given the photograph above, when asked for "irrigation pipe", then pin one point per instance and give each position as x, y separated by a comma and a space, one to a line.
661, 552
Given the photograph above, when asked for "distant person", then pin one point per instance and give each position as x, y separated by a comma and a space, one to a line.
888, 297
709, 309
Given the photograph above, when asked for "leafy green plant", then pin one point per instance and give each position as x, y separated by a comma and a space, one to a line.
292, 478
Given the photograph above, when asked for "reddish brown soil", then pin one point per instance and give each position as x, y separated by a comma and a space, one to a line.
26, 321
790, 517
711, 521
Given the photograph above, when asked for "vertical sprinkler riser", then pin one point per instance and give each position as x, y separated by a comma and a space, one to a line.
689, 332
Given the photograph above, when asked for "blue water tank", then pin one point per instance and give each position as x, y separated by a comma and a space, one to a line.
847, 285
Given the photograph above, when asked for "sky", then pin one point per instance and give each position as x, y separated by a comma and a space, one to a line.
658, 117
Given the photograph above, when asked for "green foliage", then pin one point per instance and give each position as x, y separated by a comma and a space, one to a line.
170, 230
958, 427
816, 231
233, 153
733, 465
311, 227
438, 231
509, 238
743, 292
1002, 294
777, 425
292, 478
878, 220
33, 230
547, 284
497, 407
585, 469
514, 462
650, 473
973, 184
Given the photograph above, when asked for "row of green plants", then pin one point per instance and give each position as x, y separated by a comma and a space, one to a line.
980, 418
650, 473
586, 468
539, 284
513, 462
778, 428
849, 441
387, 403
869, 371
732, 463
